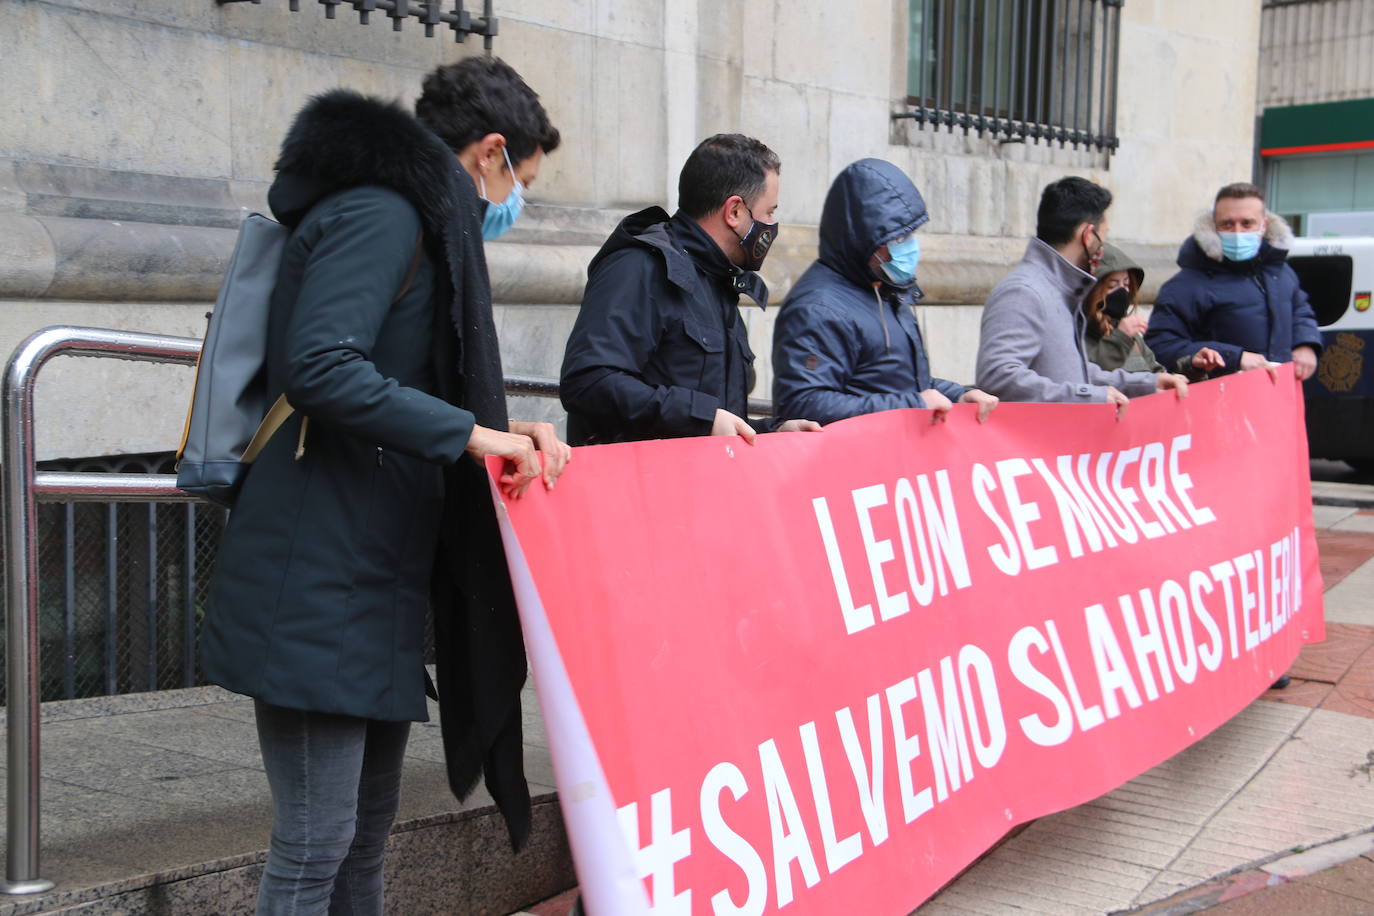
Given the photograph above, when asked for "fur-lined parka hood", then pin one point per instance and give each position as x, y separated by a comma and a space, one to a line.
1205, 243
342, 139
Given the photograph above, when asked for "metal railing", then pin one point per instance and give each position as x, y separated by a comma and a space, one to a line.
1020, 70
24, 488
429, 13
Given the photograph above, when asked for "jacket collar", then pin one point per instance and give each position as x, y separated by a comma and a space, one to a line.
1067, 278
1278, 238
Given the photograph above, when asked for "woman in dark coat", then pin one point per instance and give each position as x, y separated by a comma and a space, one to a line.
381, 338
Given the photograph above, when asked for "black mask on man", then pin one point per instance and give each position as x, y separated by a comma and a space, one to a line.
757, 241
1117, 303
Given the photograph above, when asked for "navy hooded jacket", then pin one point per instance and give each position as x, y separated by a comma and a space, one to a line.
844, 344
1232, 306
658, 344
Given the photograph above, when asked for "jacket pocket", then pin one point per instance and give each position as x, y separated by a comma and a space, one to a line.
696, 356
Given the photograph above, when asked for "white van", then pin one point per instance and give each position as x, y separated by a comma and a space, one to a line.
1338, 276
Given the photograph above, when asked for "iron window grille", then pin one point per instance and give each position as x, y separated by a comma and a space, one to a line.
429, 13
1017, 70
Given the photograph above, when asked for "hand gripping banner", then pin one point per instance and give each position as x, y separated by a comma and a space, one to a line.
826, 671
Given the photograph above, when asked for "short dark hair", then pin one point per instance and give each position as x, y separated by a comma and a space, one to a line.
1065, 205
721, 167
464, 102
1239, 189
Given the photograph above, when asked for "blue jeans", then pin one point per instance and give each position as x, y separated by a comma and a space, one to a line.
336, 783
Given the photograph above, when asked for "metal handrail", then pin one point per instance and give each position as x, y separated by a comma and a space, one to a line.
24, 488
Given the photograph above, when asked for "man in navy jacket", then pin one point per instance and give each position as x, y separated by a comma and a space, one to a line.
659, 349
846, 343
1235, 292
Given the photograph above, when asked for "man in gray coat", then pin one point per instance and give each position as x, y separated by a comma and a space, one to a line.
1031, 343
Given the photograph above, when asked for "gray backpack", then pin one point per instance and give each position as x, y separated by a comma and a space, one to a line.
232, 415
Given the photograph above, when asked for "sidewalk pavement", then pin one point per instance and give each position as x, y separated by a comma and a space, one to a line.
1270, 815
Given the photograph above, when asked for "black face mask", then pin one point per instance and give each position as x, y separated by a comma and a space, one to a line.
757, 241
1117, 303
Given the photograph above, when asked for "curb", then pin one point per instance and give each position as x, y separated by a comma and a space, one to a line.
1280, 869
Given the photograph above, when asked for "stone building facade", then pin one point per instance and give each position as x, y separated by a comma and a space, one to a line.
136, 133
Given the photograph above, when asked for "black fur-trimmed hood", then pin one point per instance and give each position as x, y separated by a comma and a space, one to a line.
343, 139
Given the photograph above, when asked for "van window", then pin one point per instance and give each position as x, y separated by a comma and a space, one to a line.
1326, 279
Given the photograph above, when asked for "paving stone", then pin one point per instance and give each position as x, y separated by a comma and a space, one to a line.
1341, 553
1357, 521
1280, 901
1326, 516
1349, 601
1300, 693
1330, 660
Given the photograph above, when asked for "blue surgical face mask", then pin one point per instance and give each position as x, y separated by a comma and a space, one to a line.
902, 258
498, 218
1239, 246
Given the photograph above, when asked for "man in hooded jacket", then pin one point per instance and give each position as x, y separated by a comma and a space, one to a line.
659, 349
847, 343
1235, 293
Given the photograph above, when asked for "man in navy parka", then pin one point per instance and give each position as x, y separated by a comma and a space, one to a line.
1235, 292
846, 342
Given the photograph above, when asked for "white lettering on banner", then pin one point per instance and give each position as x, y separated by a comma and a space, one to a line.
790, 842
1113, 675
1211, 654
838, 853
1182, 483
868, 775
1178, 630
1147, 643
932, 548
1167, 638
1023, 512
946, 733
734, 847
657, 861
1005, 556
908, 748
1077, 513
855, 618
879, 551
1033, 725
974, 661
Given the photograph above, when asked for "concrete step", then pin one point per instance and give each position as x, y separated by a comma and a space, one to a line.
157, 804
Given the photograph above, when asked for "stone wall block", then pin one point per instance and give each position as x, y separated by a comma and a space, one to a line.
637, 22
561, 67
794, 121
538, 273
113, 93
720, 83
858, 129
840, 47
28, 258
270, 85
630, 136
140, 262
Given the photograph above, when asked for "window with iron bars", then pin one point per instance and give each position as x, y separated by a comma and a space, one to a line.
1017, 70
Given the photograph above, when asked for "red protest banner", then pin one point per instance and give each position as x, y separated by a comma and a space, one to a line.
827, 670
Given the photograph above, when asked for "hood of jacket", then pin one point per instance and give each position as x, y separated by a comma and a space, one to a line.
869, 204
1114, 259
684, 246
343, 139
1202, 249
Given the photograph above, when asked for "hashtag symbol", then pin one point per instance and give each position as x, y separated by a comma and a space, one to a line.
657, 860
